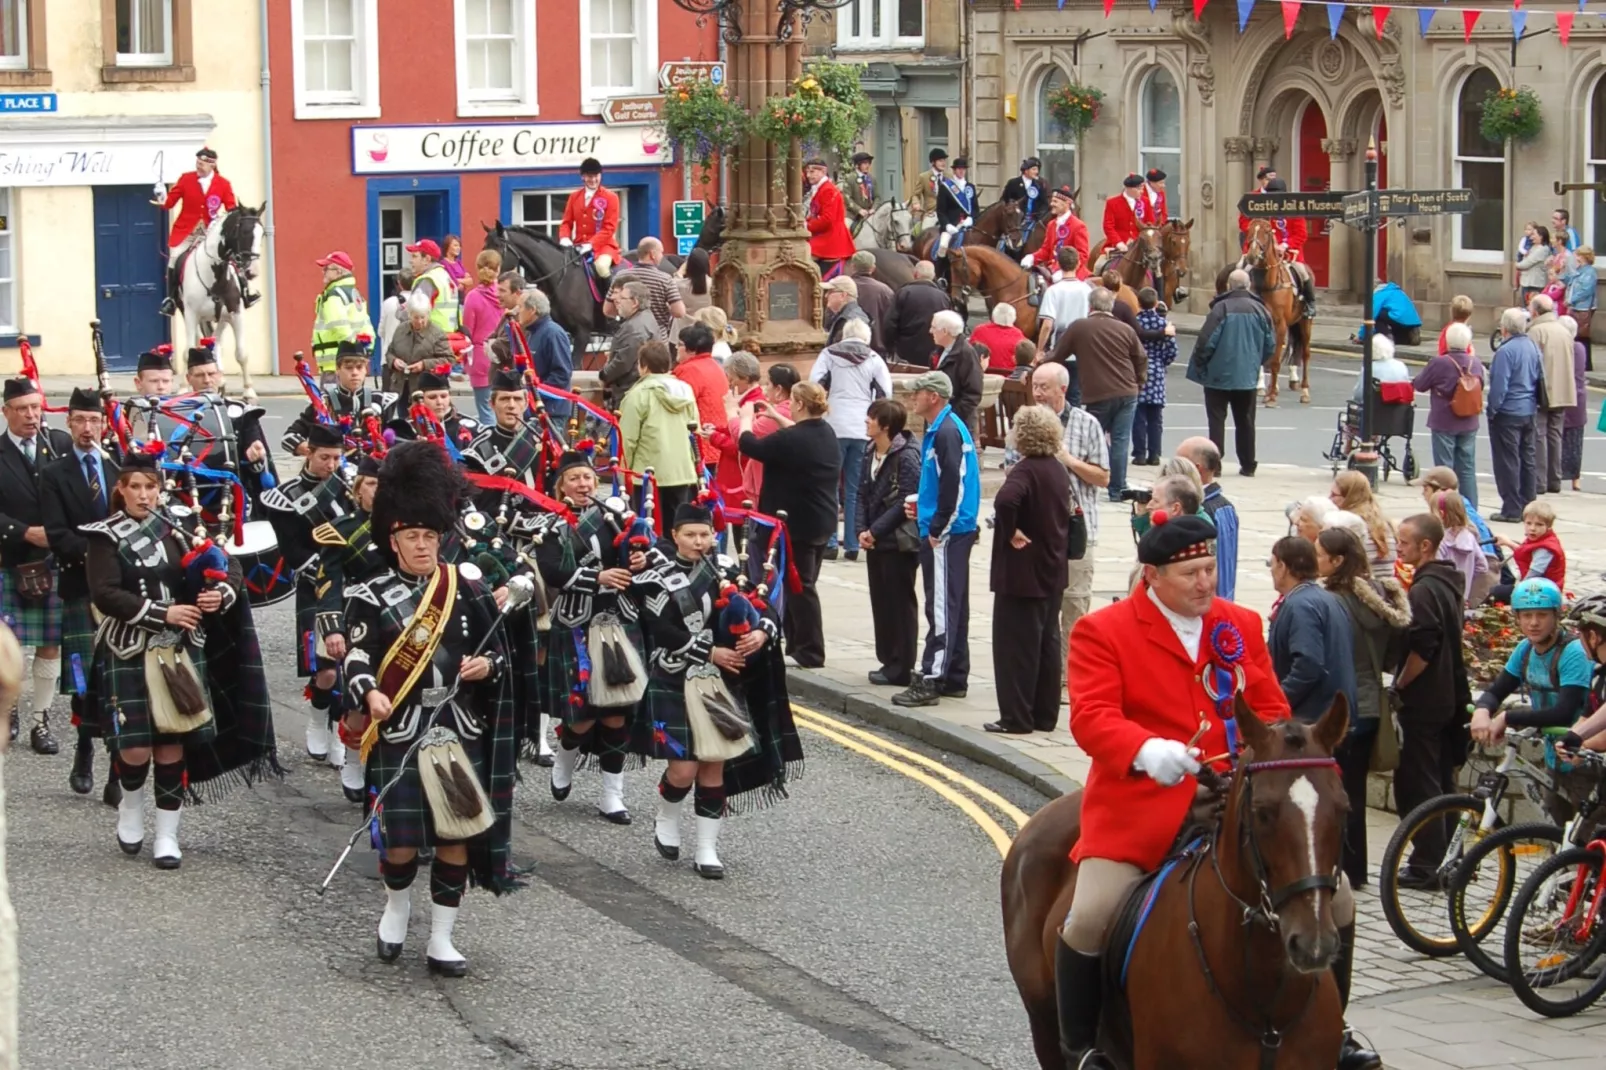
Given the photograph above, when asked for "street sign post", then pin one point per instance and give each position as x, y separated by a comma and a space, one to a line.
688, 225
684, 72
1315, 204
633, 111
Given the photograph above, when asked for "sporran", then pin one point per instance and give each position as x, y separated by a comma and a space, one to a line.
618, 678
457, 800
720, 728
177, 703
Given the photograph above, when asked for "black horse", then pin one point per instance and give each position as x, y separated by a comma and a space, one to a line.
560, 273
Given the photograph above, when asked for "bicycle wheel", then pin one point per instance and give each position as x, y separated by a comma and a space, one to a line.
1550, 947
1482, 886
1417, 913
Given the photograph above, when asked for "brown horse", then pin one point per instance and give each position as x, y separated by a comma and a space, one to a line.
1111, 280
1139, 263
1274, 281
979, 270
993, 225
1175, 239
1236, 953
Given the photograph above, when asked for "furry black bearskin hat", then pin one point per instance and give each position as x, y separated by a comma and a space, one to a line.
418, 488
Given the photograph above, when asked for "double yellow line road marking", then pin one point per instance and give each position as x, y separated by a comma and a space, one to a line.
969, 797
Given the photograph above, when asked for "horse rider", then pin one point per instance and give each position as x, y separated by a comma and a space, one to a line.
1028, 190
1063, 228
202, 195
922, 195
860, 189
1121, 221
1132, 716
1151, 205
591, 219
1291, 236
430, 279
829, 241
956, 211
339, 314
1262, 176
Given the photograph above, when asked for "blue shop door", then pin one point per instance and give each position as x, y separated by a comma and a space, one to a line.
130, 272
429, 218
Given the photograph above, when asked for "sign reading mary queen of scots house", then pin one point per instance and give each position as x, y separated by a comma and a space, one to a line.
388, 150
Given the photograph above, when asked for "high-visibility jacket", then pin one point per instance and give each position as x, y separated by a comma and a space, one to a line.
339, 315
445, 313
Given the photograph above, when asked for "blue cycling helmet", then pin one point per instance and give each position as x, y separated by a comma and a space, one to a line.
1536, 594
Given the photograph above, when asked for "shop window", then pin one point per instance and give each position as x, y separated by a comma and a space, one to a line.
1160, 133
146, 41
1480, 166
867, 24
1054, 146
495, 57
22, 43
8, 268
543, 211
618, 51
1594, 228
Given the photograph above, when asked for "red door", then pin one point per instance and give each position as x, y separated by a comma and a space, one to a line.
1382, 183
1315, 174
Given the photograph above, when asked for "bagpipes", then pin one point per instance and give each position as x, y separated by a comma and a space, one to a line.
116, 422
30, 371
313, 389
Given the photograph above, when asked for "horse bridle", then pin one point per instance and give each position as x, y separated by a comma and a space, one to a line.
1180, 272
229, 251
1259, 255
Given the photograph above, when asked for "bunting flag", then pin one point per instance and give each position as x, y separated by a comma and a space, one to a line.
1108, 4
1152, 5
1424, 15
1469, 19
1564, 25
1290, 17
1380, 15
1198, 9
1244, 7
1519, 20
1335, 18
1517, 4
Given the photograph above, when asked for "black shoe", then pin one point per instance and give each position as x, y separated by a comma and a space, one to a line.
1506, 518
15, 726
354, 795
919, 693
113, 795
998, 727
708, 873
544, 761
1154, 460
1353, 1056
1248, 472
42, 741
457, 968
82, 777
168, 307
953, 692
664, 850
881, 679
250, 299
618, 817
850, 555
1412, 879
387, 951
1554, 488
830, 553
1079, 990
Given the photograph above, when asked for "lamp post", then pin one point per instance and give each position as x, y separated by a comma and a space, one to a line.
1365, 458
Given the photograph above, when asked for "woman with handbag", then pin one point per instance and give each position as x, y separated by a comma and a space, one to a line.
1378, 611
150, 665
1454, 382
891, 541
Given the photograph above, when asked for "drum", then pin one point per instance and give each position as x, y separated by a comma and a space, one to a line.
267, 578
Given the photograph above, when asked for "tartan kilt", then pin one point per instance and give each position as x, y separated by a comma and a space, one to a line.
34, 623
124, 707
307, 665
524, 645
77, 641
404, 816
663, 732
560, 668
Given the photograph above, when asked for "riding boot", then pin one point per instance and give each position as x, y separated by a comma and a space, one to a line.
170, 302
1079, 985
1351, 1054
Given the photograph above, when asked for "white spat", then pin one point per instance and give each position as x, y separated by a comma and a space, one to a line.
1303, 795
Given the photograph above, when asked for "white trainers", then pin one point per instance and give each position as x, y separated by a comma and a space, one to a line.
131, 821
393, 922
707, 863
666, 830
441, 956
612, 803
318, 735
164, 846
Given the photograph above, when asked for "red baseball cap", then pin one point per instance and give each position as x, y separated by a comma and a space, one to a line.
336, 257
427, 247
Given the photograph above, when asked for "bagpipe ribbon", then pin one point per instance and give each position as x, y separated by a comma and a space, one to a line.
237, 489
314, 392
509, 485
590, 408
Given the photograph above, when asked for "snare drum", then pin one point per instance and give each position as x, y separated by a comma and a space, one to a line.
267, 578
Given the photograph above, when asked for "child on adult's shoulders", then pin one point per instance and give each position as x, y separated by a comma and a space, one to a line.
1539, 555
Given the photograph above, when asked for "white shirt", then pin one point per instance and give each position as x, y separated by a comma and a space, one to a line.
1131, 202
206, 181
1065, 302
1393, 370
17, 442
1190, 630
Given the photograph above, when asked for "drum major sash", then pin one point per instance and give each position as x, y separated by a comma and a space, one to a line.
413, 650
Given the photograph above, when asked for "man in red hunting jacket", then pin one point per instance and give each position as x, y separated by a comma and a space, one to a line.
1061, 228
591, 219
830, 242
201, 196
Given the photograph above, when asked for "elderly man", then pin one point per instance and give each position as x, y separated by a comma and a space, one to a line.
1111, 368
1222, 513
339, 314
908, 323
1236, 340
841, 298
1516, 377
1174, 496
1555, 344
662, 296
636, 326
825, 216
958, 361
551, 349
875, 296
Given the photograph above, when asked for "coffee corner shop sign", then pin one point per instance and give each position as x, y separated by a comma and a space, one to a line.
389, 150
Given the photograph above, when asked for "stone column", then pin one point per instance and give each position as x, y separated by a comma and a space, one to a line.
1343, 245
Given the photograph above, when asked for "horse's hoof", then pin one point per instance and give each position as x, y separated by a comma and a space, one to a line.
250, 395
1271, 402
1304, 397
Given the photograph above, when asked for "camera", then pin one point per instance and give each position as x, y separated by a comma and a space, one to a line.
1141, 495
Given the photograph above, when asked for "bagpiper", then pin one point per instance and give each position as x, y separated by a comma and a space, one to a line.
427, 673
593, 659
437, 414
716, 707
153, 381
241, 424
178, 675
350, 400
302, 512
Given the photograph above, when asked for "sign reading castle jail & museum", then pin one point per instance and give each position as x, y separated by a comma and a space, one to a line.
392, 150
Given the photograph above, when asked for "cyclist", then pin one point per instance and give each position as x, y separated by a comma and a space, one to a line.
1589, 617
1553, 667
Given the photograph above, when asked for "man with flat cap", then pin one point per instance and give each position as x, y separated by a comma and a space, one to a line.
76, 489
29, 599
1121, 218
859, 188
201, 196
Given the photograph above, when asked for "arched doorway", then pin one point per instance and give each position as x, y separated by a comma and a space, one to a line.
1314, 172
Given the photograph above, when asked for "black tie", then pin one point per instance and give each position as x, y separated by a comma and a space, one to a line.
92, 477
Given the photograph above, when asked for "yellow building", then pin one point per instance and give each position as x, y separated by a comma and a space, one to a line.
99, 101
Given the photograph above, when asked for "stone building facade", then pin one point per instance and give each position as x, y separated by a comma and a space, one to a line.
1210, 104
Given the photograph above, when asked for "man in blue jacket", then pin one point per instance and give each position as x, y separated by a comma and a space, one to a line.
1236, 340
946, 511
1515, 375
1311, 646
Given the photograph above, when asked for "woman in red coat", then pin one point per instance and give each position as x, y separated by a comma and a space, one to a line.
830, 242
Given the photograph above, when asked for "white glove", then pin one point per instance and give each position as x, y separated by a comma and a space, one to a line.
951, 229
1027, 260
965, 222
565, 242
1166, 760
585, 247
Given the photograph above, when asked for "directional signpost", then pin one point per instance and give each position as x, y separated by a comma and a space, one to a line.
1318, 204
632, 111
688, 225
684, 72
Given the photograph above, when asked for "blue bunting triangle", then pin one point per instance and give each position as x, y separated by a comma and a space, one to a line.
1244, 7
1519, 20
1155, 3
1425, 16
1335, 17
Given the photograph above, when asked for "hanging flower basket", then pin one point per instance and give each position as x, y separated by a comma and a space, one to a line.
702, 121
826, 110
1074, 108
1511, 115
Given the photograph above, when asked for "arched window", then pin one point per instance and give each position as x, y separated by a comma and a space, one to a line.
1160, 132
1595, 223
1054, 145
1480, 166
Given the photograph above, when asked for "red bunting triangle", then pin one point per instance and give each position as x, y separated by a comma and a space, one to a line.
1469, 19
1290, 16
1517, 4
1380, 15
1564, 25
1107, 5
1198, 9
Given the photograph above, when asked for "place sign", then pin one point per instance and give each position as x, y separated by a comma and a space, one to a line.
28, 103
1315, 204
1424, 201
689, 218
633, 111
685, 72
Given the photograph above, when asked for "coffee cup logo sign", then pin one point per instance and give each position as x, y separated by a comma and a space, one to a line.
381, 150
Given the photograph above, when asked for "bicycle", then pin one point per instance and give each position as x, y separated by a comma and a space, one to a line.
1469, 818
1556, 934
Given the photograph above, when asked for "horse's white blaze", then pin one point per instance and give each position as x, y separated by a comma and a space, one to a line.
1303, 795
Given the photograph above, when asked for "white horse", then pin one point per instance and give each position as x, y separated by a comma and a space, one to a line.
224, 259
886, 227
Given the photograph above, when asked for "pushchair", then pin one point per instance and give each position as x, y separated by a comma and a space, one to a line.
1393, 416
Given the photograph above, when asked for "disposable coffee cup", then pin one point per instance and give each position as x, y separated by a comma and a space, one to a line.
911, 503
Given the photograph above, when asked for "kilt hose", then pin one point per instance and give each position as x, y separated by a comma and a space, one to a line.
124, 702
35, 623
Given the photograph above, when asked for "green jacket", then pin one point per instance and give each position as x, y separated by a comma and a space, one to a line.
653, 425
